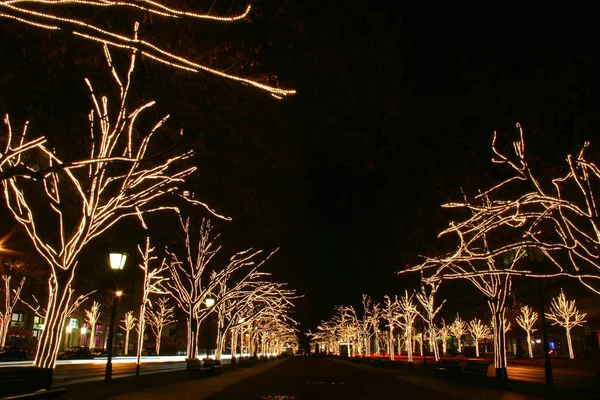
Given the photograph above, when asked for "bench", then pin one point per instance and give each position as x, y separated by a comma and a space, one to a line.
448, 369
27, 383
214, 366
195, 368
476, 369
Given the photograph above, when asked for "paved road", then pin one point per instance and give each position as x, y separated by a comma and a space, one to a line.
307, 378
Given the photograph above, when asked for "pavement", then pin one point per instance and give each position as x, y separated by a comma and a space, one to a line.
299, 378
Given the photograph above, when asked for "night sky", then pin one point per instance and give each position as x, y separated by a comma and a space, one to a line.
394, 115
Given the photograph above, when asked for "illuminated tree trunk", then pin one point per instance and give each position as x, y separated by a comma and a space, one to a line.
499, 343
58, 310
409, 343
391, 344
529, 345
570, 344
476, 348
192, 336
234, 339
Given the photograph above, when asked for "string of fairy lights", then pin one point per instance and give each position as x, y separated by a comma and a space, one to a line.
46, 14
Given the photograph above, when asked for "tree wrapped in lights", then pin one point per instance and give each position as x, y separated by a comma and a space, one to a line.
389, 312
191, 282
526, 319
11, 297
426, 298
159, 316
564, 313
557, 217
478, 331
252, 301
369, 321
444, 334
129, 322
458, 329
489, 274
408, 313
153, 280
115, 182
91, 316
61, 16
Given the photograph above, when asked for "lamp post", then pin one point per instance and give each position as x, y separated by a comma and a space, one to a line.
209, 303
537, 257
117, 262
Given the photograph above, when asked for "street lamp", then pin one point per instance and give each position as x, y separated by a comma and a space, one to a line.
117, 262
209, 301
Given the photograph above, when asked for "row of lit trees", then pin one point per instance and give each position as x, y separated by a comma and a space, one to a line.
394, 324
528, 227
64, 204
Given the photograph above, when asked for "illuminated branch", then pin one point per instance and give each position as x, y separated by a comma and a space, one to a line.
564, 313
71, 206
191, 282
91, 316
154, 279
11, 297
558, 218
478, 331
158, 317
12, 149
129, 323
526, 320
58, 15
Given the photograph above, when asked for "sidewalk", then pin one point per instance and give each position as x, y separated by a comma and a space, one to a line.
169, 385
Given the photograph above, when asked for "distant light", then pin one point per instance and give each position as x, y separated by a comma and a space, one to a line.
538, 341
118, 293
83, 330
69, 328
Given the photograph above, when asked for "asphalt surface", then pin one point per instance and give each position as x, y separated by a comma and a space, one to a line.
308, 378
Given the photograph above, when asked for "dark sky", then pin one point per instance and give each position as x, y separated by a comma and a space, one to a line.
395, 113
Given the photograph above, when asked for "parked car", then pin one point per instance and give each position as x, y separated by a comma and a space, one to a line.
11, 353
76, 353
99, 352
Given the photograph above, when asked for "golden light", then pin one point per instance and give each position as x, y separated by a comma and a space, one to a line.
117, 260
118, 293
209, 302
